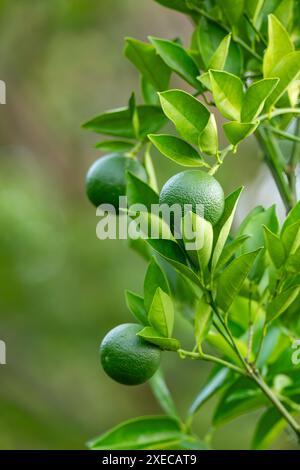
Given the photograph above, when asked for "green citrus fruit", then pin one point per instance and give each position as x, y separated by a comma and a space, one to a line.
128, 358
195, 187
106, 178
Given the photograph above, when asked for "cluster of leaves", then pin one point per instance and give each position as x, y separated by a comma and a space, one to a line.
240, 292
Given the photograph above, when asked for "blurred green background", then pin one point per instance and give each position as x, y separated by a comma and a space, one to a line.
61, 289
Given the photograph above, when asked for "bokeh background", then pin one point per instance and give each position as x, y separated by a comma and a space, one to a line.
61, 289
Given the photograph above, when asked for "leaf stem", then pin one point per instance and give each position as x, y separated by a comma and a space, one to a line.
279, 112
209, 358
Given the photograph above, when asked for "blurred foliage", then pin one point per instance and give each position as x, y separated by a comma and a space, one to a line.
60, 288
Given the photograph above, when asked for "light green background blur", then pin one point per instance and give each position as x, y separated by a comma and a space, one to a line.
60, 288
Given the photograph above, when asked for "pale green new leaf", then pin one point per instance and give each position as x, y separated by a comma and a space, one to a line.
222, 228
208, 139
275, 247
230, 250
287, 71
203, 321
161, 313
198, 239
232, 278
218, 60
151, 335
189, 116
228, 93
291, 238
154, 278
279, 46
236, 131
176, 149
255, 98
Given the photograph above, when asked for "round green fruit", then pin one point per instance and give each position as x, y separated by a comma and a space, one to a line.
128, 358
195, 187
106, 178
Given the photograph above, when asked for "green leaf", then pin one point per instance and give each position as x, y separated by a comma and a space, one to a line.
222, 228
240, 398
115, 146
203, 321
253, 8
287, 71
139, 433
148, 163
154, 278
139, 192
150, 65
268, 429
178, 59
149, 92
255, 98
170, 250
285, 12
236, 132
179, 5
228, 93
161, 313
163, 395
292, 218
218, 60
230, 250
134, 115
211, 387
118, 122
281, 303
232, 278
189, 116
233, 10
135, 304
279, 46
275, 247
209, 36
208, 139
291, 238
198, 239
294, 261
151, 335
176, 149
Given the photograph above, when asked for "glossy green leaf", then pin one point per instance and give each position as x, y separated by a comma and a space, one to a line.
115, 146
135, 304
292, 218
222, 228
294, 261
178, 59
208, 139
232, 9
236, 132
154, 278
209, 36
211, 387
285, 12
139, 192
118, 122
268, 429
176, 149
255, 98
149, 92
286, 70
139, 433
148, 164
280, 304
163, 395
151, 335
240, 398
253, 8
217, 341
161, 313
291, 238
228, 93
198, 239
174, 255
275, 248
232, 279
279, 46
218, 60
179, 5
149, 64
203, 321
189, 116
230, 250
